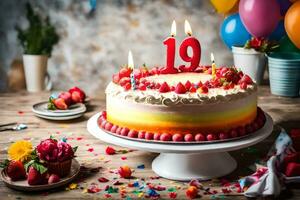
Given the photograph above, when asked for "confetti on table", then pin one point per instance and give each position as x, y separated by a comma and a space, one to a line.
20, 112
142, 166
90, 149
103, 180
72, 186
79, 138
172, 195
123, 158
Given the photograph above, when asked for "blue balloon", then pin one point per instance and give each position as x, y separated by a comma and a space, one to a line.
233, 32
279, 32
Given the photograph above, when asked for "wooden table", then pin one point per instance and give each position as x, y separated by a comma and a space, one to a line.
16, 107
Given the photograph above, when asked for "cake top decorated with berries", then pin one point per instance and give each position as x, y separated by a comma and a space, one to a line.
200, 86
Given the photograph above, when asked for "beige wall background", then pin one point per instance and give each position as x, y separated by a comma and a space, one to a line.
92, 47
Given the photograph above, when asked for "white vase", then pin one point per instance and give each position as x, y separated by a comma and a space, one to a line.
37, 78
251, 62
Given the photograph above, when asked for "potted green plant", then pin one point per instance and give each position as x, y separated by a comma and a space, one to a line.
251, 57
37, 41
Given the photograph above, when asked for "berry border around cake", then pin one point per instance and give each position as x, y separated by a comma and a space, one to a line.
167, 138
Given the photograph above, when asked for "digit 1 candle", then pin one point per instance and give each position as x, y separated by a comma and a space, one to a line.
183, 51
131, 66
213, 65
170, 42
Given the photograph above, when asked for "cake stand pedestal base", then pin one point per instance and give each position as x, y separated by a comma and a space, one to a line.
185, 167
185, 162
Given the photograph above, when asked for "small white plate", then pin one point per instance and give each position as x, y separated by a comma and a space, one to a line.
24, 186
41, 109
60, 118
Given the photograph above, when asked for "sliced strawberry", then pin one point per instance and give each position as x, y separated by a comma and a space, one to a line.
15, 170
246, 79
60, 104
164, 88
188, 85
243, 85
127, 86
180, 88
203, 89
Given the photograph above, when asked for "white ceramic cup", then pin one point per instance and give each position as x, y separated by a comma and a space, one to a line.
37, 78
251, 62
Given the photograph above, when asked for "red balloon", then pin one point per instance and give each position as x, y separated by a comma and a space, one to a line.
260, 17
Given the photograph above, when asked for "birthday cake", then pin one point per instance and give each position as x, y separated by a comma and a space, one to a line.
198, 105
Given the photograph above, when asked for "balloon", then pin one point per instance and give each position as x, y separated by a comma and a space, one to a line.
286, 45
279, 32
233, 32
284, 6
224, 6
292, 23
260, 17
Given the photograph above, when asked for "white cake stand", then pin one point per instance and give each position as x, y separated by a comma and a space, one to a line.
184, 162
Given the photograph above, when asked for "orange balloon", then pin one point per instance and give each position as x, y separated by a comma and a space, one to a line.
292, 23
224, 6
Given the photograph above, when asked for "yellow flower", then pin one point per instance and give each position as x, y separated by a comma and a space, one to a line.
20, 150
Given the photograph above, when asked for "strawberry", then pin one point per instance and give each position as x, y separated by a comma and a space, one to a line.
142, 87
67, 97
246, 79
78, 96
157, 85
137, 74
188, 85
15, 170
154, 71
124, 81
125, 171
116, 78
203, 89
35, 177
193, 89
53, 179
243, 85
127, 86
60, 104
180, 88
125, 72
164, 88
110, 151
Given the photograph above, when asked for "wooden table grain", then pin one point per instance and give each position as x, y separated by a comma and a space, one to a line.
16, 107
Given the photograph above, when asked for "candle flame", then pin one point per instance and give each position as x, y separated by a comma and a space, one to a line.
173, 28
187, 28
212, 58
130, 61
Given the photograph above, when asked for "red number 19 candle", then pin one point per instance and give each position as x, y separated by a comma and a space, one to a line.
183, 51
170, 42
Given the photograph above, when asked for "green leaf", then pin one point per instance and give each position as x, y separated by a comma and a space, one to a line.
75, 149
27, 165
4, 164
36, 165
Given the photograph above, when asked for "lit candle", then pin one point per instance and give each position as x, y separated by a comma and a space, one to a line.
183, 51
213, 65
131, 66
170, 42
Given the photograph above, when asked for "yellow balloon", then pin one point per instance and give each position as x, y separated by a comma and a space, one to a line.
224, 6
292, 23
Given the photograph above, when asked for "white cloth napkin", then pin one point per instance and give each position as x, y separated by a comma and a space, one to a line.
267, 181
